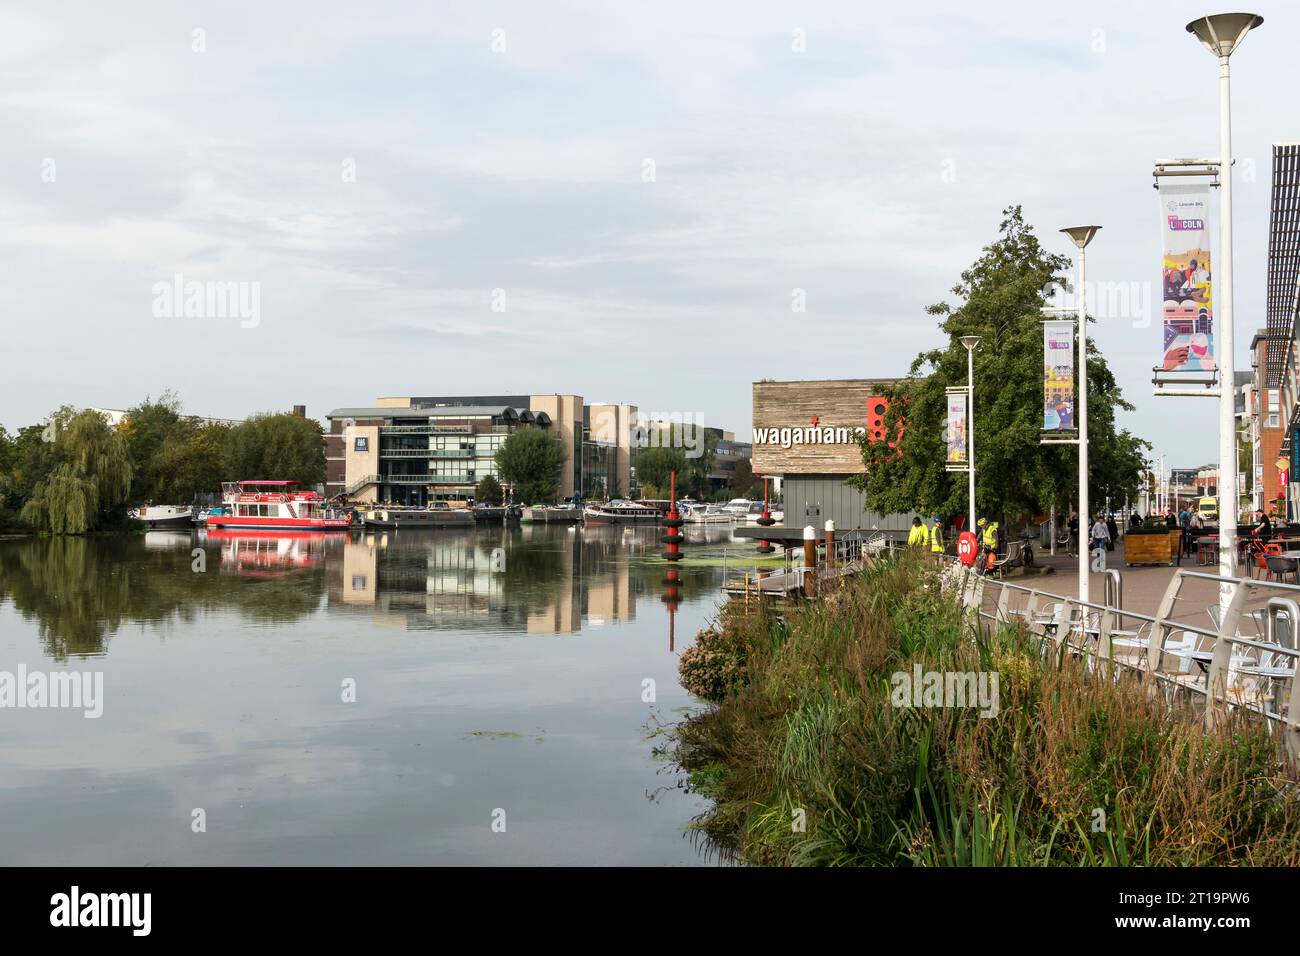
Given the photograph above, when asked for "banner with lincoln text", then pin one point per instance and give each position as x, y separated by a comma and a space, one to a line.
1186, 280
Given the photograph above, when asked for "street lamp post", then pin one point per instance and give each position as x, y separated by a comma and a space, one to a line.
971, 342
1220, 34
1081, 236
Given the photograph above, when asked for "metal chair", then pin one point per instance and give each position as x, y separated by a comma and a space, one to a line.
1280, 566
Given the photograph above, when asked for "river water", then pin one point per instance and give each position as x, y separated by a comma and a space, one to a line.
422, 697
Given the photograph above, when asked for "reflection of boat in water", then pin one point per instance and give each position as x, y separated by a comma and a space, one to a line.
552, 514
172, 539
621, 512
498, 512
266, 554
437, 515
162, 517
275, 506
697, 512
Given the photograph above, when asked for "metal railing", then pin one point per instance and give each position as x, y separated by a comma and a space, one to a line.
1238, 670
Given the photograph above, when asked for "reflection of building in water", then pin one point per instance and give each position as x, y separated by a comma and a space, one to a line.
534, 580
429, 579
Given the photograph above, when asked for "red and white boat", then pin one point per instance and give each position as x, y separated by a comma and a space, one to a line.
275, 506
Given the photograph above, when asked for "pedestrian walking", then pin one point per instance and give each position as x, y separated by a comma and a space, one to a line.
1099, 536
1072, 545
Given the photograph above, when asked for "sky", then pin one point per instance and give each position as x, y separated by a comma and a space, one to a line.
625, 202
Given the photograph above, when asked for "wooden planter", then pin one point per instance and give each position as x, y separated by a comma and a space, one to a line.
1151, 548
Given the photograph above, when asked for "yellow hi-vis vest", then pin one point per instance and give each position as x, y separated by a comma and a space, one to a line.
917, 535
936, 538
991, 535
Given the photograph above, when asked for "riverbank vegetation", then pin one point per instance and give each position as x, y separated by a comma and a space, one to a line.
810, 762
75, 472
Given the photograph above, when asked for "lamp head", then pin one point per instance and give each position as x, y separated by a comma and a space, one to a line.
1081, 235
1221, 33
970, 341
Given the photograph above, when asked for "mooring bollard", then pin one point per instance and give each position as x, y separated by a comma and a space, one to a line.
673, 539
810, 561
830, 544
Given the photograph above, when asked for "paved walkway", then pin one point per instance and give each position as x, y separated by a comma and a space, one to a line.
1144, 585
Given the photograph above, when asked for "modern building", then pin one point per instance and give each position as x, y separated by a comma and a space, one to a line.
806, 433
413, 450
1274, 402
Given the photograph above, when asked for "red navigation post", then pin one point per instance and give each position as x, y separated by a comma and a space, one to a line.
673, 539
765, 520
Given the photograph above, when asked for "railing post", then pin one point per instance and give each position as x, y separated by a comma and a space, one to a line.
1216, 696
1155, 647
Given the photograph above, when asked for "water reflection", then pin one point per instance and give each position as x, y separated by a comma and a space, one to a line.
496, 667
534, 579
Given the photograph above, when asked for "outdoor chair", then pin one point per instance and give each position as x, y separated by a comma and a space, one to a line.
1280, 567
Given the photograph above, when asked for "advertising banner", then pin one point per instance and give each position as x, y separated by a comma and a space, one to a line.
1058, 376
1186, 280
957, 422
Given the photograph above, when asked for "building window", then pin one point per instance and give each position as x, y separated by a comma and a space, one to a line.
1273, 410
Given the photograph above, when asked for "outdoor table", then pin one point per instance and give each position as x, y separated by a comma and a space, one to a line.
1206, 546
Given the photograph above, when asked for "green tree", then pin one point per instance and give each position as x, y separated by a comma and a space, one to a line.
699, 464
189, 461
1002, 295
488, 491
144, 430
275, 447
743, 483
530, 460
90, 479
654, 466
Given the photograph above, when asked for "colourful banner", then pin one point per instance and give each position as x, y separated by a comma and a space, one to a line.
1058, 376
957, 421
1185, 279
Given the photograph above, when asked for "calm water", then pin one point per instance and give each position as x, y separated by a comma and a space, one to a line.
485, 680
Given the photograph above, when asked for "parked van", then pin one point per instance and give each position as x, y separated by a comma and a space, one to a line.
1208, 509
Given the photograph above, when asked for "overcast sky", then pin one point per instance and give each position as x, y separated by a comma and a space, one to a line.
646, 184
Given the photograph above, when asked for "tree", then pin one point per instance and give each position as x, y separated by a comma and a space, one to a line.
700, 466
655, 465
275, 447
530, 460
90, 479
189, 461
1002, 295
488, 491
144, 430
743, 483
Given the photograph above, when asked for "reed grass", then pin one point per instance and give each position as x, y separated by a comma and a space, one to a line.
1075, 769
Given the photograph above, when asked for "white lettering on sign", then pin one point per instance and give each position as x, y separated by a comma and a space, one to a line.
808, 435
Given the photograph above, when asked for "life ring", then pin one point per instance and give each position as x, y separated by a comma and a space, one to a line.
283, 498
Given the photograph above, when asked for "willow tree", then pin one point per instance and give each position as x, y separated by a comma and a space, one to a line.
1001, 301
91, 475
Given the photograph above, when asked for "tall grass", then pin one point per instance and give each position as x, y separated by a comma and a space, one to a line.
1074, 770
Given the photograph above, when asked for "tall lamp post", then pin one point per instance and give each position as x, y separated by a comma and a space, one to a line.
1081, 236
1220, 34
971, 342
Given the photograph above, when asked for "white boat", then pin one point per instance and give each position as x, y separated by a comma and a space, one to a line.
161, 517
740, 506
756, 512
699, 512
620, 511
